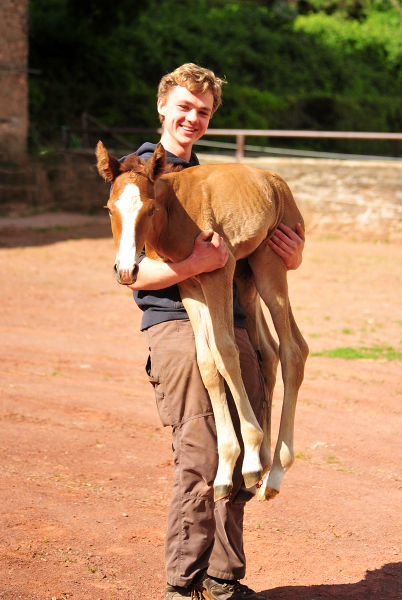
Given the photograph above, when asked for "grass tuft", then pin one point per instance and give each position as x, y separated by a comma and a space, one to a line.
302, 456
374, 352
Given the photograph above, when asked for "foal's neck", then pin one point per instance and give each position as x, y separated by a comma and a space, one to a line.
173, 232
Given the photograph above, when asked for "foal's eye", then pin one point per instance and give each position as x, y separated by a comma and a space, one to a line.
151, 212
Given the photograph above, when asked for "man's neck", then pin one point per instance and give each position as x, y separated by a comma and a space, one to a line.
175, 148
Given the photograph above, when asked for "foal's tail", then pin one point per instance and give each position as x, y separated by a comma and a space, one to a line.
287, 211
279, 192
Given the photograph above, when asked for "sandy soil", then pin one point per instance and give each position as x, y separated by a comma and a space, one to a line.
86, 467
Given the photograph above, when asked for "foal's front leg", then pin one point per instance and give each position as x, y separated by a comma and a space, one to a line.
217, 288
228, 445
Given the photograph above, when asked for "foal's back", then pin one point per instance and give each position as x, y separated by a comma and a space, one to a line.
243, 204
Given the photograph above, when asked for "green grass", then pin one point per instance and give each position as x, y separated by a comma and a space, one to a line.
303, 456
374, 352
332, 459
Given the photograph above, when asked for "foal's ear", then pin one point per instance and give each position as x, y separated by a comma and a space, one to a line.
108, 166
155, 167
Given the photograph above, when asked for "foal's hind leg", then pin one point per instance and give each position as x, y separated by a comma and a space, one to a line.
270, 277
264, 345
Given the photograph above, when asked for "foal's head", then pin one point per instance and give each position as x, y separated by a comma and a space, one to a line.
131, 205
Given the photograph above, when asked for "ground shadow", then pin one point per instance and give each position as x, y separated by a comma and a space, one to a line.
14, 237
380, 584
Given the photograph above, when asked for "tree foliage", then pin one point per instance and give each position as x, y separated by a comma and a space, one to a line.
314, 64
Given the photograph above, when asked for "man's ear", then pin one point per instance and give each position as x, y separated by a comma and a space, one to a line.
155, 167
161, 105
108, 166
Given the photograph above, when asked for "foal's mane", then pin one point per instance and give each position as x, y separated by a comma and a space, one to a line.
132, 163
172, 168
136, 164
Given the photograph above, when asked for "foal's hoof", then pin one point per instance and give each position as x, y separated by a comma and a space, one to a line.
222, 491
244, 495
266, 493
251, 479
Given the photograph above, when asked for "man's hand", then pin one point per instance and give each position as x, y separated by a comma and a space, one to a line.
288, 245
208, 254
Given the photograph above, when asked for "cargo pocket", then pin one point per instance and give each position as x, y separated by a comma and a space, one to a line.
161, 402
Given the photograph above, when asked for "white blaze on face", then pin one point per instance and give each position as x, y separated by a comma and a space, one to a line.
129, 205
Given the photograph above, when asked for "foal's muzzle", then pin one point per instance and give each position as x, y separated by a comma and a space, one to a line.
124, 276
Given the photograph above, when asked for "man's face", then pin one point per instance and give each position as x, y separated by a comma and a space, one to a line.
186, 115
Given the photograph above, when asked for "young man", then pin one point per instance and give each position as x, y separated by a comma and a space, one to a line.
204, 540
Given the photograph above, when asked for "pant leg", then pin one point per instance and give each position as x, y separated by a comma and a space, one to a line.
196, 525
227, 560
184, 404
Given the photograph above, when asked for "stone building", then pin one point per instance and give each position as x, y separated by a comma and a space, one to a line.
13, 78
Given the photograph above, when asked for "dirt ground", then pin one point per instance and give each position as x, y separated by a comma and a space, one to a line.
86, 467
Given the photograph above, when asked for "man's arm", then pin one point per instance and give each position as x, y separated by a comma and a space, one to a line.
205, 257
208, 256
289, 245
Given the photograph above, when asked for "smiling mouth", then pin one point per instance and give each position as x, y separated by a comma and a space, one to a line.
189, 129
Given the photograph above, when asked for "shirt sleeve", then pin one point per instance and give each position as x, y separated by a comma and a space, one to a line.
142, 255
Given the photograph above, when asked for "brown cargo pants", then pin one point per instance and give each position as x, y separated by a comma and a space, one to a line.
201, 534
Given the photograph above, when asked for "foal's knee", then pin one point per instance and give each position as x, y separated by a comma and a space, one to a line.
209, 372
227, 357
293, 358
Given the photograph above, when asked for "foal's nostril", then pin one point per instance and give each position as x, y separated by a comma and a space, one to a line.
135, 272
115, 267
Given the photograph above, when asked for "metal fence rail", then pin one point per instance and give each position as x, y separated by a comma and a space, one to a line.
286, 152
240, 135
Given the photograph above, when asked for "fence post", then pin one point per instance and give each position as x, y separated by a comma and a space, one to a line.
84, 127
64, 136
239, 146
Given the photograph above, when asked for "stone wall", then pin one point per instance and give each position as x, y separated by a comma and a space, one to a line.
66, 181
13, 79
358, 198
355, 199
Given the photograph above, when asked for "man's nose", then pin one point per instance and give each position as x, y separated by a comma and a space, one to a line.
192, 116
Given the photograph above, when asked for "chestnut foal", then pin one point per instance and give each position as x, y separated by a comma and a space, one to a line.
165, 212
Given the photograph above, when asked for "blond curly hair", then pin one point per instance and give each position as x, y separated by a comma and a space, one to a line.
196, 79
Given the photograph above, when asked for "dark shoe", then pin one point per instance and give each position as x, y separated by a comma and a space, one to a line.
175, 592
228, 591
